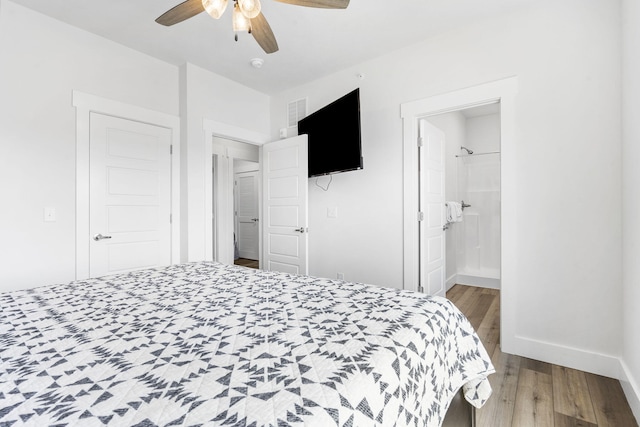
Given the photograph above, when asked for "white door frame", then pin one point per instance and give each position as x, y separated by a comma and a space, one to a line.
86, 104
503, 91
224, 217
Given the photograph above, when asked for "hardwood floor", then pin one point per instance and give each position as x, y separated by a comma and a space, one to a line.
246, 262
531, 393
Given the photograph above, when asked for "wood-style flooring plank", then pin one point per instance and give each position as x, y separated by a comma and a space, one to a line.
571, 394
534, 400
467, 300
525, 391
498, 411
536, 365
478, 311
244, 262
455, 293
489, 329
609, 402
562, 420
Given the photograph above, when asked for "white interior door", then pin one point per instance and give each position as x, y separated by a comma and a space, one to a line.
432, 238
130, 195
285, 196
246, 199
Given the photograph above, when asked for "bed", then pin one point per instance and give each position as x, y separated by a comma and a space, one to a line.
204, 343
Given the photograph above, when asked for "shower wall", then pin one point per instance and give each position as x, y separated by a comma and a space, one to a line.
473, 245
478, 238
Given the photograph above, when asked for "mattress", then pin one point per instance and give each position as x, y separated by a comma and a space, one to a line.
209, 344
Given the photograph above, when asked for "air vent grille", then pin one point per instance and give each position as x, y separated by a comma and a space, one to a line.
296, 110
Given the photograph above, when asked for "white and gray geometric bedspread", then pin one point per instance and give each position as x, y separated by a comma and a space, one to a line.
208, 344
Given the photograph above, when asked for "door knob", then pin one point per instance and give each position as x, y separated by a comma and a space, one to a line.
300, 230
99, 236
254, 219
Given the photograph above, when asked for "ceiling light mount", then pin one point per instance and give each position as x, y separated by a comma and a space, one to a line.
256, 62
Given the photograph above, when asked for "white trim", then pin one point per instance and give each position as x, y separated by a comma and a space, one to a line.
575, 358
211, 128
503, 91
85, 104
472, 280
479, 281
631, 389
451, 282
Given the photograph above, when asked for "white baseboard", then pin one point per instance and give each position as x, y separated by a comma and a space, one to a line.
450, 282
595, 363
471, 280
631, 390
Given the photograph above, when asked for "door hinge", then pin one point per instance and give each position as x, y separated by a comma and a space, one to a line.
170, 218
420, 141
420, 216
170, 149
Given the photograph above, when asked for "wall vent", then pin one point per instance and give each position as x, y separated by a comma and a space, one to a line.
296, 110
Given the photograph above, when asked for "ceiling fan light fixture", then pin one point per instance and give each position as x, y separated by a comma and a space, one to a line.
240, 22
250, 8
215, 8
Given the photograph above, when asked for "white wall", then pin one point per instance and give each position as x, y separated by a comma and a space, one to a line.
205, 95
240, 166
567, 59
41, 62
631, 203
479, 185
368, 226
483, 133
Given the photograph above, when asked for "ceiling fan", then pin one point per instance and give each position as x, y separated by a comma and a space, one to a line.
246, 16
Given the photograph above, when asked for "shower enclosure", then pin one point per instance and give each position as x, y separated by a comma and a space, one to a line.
472, 177
478, 235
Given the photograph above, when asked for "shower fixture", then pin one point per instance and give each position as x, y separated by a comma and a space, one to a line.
467, 150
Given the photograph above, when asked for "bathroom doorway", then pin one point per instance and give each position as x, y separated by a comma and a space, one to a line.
472, 189
503, 91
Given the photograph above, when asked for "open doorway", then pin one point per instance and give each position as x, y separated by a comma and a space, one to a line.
472, 189
503, 91
246, 201
283, 161
230, 161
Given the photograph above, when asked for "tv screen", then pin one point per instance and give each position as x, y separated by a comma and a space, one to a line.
334, 136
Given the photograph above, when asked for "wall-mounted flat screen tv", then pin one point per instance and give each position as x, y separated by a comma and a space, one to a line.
334, 136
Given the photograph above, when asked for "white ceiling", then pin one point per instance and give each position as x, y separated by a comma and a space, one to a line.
313, 42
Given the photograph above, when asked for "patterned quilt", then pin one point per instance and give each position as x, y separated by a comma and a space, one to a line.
208, 344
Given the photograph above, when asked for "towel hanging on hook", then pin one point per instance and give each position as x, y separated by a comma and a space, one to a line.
454, 212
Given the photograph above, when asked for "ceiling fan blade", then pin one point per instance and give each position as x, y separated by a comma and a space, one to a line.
181, 12
324, 4
261, 31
